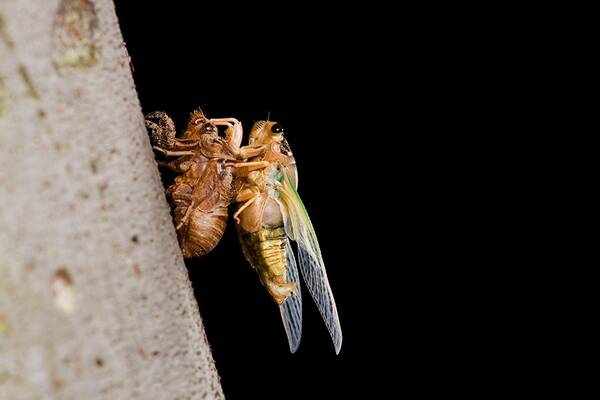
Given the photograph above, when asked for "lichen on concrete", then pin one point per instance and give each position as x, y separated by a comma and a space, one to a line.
4, 36
75, 35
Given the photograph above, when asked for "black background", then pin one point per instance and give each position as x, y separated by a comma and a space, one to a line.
314, 72
387, 112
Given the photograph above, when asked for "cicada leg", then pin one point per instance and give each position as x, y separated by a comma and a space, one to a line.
251, 166
169, 153
248, 197
186, 216
182, 197
234, 132
251, 151
179, 166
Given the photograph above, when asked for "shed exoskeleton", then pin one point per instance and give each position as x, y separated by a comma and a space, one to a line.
205, 184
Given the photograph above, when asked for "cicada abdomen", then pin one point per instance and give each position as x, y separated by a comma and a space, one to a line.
264, 243
200, 208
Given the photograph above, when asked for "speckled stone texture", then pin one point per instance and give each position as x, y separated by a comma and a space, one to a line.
95, 301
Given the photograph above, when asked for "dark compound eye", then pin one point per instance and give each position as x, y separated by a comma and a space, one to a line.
276, 128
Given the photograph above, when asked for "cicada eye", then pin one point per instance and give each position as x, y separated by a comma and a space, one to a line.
276, 128
210, 129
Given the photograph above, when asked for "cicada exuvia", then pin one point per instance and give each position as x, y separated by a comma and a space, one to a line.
205, 184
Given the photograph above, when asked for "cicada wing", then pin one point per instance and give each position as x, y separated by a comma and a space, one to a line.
291, 309
318, 285
299, 228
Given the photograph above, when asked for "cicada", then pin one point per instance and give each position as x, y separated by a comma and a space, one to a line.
205, 184
270, 216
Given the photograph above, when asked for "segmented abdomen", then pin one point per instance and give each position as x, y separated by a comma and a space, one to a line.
202, 232
265, 250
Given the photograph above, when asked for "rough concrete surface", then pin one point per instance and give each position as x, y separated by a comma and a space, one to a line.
95, 301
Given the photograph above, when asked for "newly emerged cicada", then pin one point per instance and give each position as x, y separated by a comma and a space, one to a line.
205, 184
271, 214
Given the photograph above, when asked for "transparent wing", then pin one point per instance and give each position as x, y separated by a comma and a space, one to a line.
291, 309
299, 228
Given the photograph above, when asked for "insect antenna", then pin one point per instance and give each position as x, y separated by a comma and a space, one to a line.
198, 110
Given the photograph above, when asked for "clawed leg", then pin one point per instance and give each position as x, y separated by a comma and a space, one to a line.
248, 196
170, 153
234, 132
251, 151
181, 196
187, 214
185, 199
176, 166
185, 143
223, 121
252, 165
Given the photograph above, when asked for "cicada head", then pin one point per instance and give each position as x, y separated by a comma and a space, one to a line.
266, 132
199, 125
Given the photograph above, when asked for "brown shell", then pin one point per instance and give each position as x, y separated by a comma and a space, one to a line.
203, 191
203, 232
207, 189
